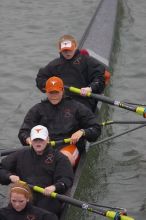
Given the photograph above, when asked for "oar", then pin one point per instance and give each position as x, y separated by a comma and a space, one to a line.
84, 205
139, 109
117, 135
121, 122
122, 210
133, 103
52, 144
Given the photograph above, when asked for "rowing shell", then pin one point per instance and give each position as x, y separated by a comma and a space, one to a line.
98, 41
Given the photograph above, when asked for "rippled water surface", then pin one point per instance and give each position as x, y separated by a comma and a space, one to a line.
29, 30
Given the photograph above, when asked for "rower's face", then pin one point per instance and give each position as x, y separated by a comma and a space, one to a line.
55, 97
18, 201
68, 54
39, 145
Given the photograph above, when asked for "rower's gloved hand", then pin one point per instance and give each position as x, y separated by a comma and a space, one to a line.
14, 178
85, 90
48, 190
76, 136
28, 141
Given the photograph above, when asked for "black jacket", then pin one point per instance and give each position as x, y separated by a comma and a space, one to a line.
62, 120
80, 71
51, 168
29, 213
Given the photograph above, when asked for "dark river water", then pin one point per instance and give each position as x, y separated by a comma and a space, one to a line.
115, 172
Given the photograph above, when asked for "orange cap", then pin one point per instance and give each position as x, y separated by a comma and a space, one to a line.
67, 42
54, 84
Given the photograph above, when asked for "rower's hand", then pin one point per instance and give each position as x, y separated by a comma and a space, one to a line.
28, 141
14, 178
48, 190
76, 136
85, 90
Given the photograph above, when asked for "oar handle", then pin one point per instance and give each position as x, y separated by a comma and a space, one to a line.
55, 195
35, 188
64, 141
52, 143
76, 90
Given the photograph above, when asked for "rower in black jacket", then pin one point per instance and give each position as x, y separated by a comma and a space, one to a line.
64, 117
20, 206
75, 69
39, 165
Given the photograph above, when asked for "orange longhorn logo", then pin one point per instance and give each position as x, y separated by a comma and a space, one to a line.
53, 82
38, 130
31, 217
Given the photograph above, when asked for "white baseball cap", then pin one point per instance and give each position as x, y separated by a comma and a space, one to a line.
67, 45
40, 132
67, 42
